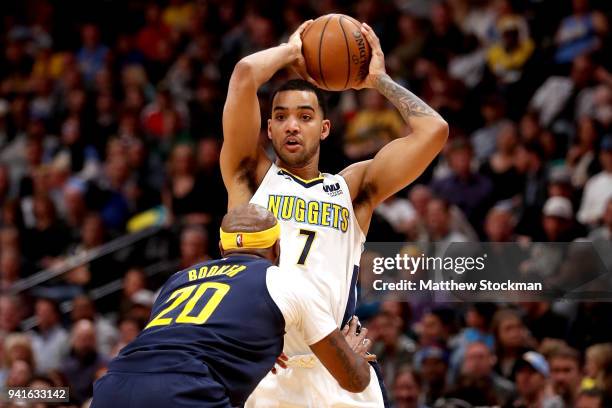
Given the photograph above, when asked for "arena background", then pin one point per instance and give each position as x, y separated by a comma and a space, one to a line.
110, 130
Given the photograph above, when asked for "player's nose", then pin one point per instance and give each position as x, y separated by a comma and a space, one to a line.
293, 126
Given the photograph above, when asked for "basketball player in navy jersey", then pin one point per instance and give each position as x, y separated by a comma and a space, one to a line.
217, 328
324, 217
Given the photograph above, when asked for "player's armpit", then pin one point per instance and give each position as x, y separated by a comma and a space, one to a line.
400, 162
350, 370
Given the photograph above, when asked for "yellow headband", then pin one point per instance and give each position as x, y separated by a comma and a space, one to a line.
260, 239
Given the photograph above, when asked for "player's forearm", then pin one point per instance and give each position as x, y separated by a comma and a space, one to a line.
416, 113
356, 375
261, 66
361, 378
350, 369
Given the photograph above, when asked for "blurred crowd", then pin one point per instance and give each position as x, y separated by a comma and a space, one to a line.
110, 121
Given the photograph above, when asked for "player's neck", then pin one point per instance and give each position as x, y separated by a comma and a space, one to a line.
306, 172
245, 253
239, 253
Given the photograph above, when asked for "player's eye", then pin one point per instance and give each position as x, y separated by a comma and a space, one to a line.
306, 117
280, 117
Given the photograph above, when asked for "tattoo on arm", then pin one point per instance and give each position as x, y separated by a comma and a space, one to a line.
347, 365
405, 101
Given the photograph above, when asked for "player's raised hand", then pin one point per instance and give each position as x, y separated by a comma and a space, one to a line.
377, 62
358, 341
295, 40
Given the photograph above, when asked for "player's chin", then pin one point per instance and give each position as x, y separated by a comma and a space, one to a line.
293, 156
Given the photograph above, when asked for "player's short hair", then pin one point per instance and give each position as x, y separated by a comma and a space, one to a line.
302, 85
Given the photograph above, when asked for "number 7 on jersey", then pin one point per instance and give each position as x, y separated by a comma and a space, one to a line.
310, 236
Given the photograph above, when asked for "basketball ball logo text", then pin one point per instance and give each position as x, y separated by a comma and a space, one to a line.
362, 59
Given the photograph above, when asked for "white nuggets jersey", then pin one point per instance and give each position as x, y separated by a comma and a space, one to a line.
320, 238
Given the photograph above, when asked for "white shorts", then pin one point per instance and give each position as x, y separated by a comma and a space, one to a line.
307, 383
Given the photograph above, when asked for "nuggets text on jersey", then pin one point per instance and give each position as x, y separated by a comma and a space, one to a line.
287, 207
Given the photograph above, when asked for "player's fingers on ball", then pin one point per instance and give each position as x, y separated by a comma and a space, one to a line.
305, 25
273, 370
370, 35
366, 28
284, 357
372, 39
345, 330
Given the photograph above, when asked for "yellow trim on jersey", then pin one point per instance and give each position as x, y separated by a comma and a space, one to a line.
260, 239
319, 177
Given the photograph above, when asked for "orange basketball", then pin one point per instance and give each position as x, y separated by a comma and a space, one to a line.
336, 52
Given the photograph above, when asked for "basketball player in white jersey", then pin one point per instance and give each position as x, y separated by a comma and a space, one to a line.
324, 217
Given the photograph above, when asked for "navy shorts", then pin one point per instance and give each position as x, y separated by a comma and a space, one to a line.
158, 390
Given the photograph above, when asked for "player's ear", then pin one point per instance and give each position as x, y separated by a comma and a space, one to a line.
325, 128
270, 129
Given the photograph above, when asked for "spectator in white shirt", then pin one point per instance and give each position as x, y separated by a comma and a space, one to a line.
598, 190
554, 95
399, 212
602, 236
604, 233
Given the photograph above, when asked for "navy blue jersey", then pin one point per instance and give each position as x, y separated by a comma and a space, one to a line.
214, 319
